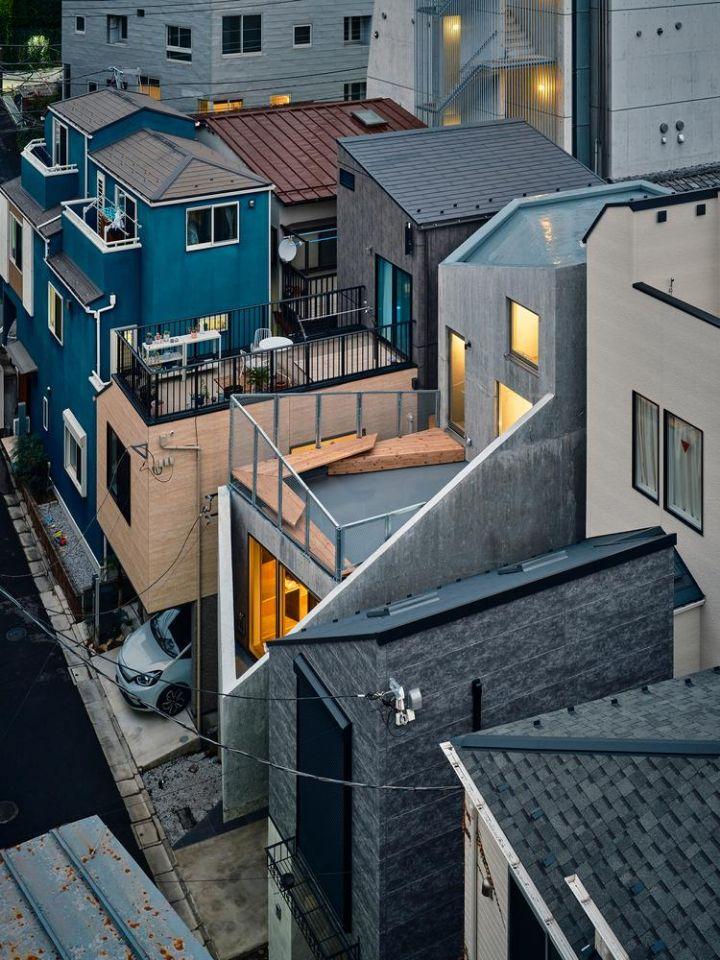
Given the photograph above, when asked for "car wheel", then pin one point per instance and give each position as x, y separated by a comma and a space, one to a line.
173, 700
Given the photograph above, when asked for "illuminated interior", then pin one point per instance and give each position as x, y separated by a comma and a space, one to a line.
277, 600
524, 333
510, 407
219, 106
457, 383
451, 33
279, 99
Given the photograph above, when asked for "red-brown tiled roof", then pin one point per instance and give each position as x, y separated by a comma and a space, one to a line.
296, 147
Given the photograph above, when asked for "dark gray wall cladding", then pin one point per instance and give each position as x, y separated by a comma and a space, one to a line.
605, 632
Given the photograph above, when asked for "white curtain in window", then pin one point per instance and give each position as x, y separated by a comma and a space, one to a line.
684, 469
646, 446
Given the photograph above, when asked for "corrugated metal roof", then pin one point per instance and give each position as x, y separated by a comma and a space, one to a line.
74, 278
640, 829
467, 172
296, 147
31, 209
75, 892
164, 167
91, 112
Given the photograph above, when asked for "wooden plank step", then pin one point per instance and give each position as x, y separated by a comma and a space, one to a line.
293, 507
423, 449
307, 460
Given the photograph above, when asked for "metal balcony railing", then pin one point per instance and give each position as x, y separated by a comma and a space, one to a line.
37, 153
264, 434
184, 366
106, 224
308, 904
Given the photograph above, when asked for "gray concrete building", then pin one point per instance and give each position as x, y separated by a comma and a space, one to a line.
212, 55
407, 200
548, 633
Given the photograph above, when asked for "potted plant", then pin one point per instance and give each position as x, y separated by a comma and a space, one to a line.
259, 378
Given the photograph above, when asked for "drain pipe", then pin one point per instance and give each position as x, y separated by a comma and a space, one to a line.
165, 441
97, 314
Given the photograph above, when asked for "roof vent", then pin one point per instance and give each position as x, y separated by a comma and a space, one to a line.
369, 118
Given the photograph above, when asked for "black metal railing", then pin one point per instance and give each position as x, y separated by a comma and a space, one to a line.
300, 283
310, 907
168, 371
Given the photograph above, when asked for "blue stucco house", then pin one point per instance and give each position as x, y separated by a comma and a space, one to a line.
120, 218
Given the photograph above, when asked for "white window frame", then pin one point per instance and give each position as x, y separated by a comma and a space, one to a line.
77, 29
57, 127
171, 48
301, 26
241, 53
13, 221
100, 194
52, 323
212, 243
45, 414
119, 17
72, 429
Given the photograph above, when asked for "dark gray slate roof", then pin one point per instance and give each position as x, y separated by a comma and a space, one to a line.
642, 832
688, 178
485, 590
36, 214
467, 172
74, 279
163, 167
91, 112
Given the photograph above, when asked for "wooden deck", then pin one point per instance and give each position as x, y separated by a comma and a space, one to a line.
423, 449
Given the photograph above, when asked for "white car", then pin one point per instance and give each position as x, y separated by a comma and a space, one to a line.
154, 666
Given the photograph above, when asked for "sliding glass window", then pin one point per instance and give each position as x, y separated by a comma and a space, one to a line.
393, 298
684, 471
646, 447
456, 356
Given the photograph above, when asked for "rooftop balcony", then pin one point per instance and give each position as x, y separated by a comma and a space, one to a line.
338, 473
107, 226
50, 183
186, 366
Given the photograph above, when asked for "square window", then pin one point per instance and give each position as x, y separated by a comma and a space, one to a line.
79, 24
355, 91
212, 226
242, 34
357, 30
302, 35
684, 471
92, 86
55, 313
75, 447
524, 334
178, 44
116, 29
646, 447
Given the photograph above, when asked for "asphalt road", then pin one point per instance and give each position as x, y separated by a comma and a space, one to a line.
51, 763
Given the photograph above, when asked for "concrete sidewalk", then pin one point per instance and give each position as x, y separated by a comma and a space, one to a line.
150, 739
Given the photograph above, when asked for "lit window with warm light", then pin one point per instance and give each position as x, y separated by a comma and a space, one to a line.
279, 99
524, 334
510, 407
457, 383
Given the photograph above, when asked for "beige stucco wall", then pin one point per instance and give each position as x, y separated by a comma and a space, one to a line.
636, 342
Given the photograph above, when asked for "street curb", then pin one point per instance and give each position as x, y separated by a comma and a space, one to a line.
146, 826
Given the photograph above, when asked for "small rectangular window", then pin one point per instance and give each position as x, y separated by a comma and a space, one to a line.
355, 91
16, 242
116, 29
700, 210
55, 313
684, 471
212, 226
118, 472
456, 375
524, 334
662, 216
45, 413
92, 86
242, 34
60, 143
357, 30
79, 24
178, 43
75, 448
646, 446
149, 86
347, 179
280, 99
302, 35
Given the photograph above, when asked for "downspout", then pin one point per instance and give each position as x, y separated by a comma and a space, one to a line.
97, 314
195, 448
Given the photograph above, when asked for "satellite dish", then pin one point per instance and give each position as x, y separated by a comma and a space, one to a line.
288, 249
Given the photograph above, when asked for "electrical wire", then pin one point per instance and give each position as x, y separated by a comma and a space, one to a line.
74, 648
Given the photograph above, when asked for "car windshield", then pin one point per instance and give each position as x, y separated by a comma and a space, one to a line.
163, 633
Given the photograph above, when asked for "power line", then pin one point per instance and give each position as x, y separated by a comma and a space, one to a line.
74, 648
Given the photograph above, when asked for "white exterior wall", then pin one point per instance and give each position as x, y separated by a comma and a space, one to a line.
687, 635
636, 342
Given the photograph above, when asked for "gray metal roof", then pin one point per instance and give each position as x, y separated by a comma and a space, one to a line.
486, 590
91, 112
466, 172
21, 359
75, 892
641, 828
164, 167
74, 279
31, 209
